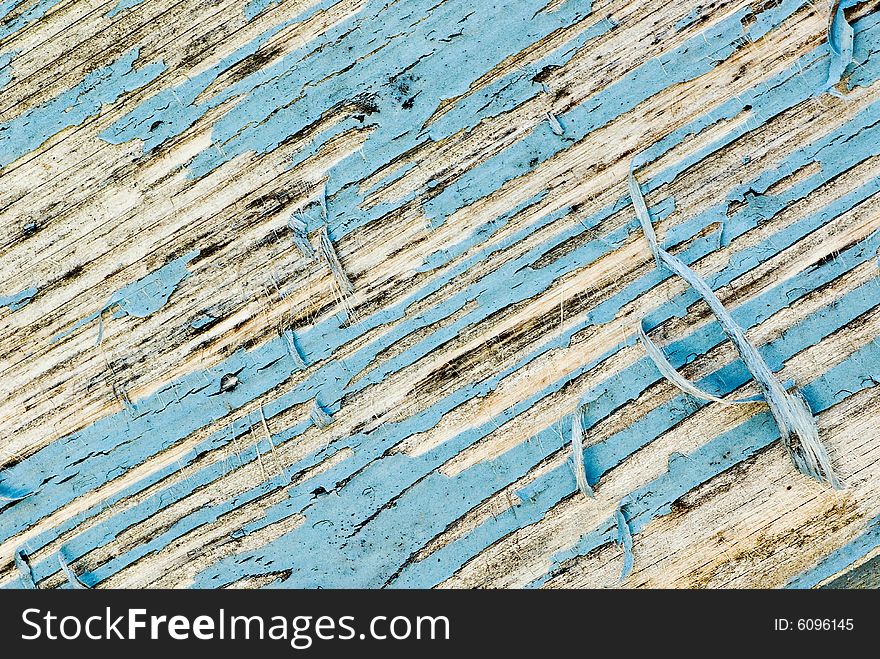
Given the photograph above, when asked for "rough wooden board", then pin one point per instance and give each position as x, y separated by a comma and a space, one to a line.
498, 278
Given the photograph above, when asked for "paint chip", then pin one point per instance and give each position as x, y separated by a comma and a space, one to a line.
72, 578
294, 349
555, 125
18, 300
319, 415
840, 42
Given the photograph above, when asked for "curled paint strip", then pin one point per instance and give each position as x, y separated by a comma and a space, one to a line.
840, 41
668, 371
625, 540
9, 494
329, 253
301, 237
25, 573
294, 349
72, 578
793, 416
319, 415
577, 454
555, 125
228, 382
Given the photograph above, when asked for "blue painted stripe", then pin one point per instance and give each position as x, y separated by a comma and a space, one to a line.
840, 559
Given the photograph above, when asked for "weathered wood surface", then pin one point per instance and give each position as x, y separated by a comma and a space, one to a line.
152, 153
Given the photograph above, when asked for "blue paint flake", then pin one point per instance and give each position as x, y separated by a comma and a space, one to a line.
840, 45
18, 300
121, 6
149, 294
202, 321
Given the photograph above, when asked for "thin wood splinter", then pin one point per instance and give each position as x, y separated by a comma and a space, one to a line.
790, 410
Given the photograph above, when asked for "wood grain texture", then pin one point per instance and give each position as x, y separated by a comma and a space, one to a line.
168, 348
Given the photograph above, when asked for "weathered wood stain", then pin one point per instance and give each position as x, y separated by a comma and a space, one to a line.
191, 396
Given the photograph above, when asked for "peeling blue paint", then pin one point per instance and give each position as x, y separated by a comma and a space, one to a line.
142, 297
202, 321
408, 525
687, 472
840, 44
18, 300
29, 130
552, 487
377, 508
171, 111
121, 6
25, 18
